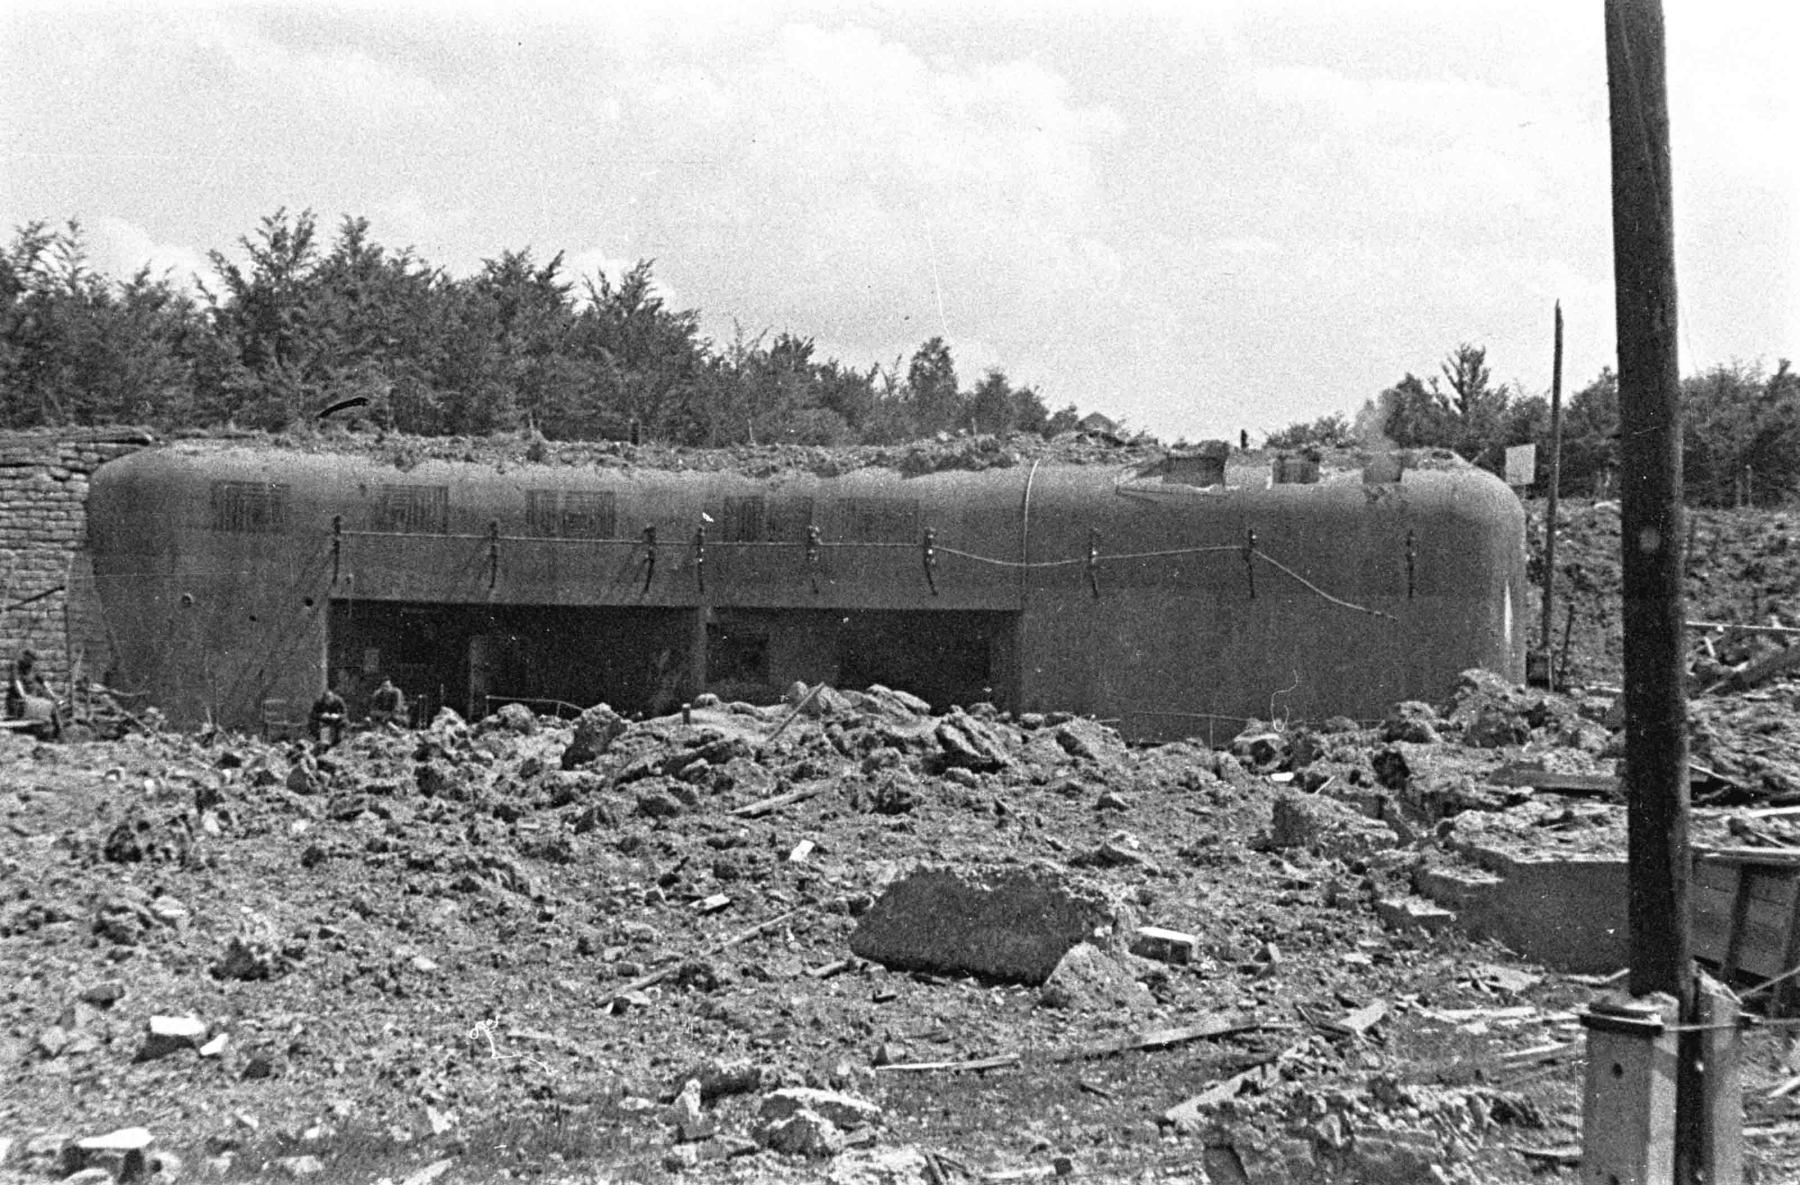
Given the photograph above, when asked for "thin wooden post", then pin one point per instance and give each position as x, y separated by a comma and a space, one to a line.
1555, 480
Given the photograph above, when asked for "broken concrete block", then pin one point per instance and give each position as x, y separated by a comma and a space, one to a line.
104, 995
1261, 750
1087, 979
971, 744
119, 1154
804, 1133
1008, 923
1165, 946
897, 705
302, 1166
718, 1078
1495, 727
1327, 827
1413, 722
595, 731
167, 1034
844, 1110
516, 718
690, 1123
1410, 913
1089, 740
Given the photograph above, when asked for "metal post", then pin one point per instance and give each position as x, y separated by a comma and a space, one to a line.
1555, 479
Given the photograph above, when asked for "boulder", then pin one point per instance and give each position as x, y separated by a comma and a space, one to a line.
1260, 749
901, 706
1006, 923
1327, 827
516, 718
970, 743
595, 731
1413, 722
1089, 740
804, 1133
1087, 979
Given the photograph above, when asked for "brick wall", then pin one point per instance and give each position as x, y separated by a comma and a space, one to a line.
47, 600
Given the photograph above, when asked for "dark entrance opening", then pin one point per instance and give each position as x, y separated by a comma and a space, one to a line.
944, 657
475, 658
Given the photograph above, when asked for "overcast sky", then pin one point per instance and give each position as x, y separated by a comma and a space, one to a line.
1194, 216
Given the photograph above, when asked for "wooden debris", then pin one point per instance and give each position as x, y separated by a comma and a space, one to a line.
752, 810
1539, 1053
1760, 671
980, 1063
835, 967
795, 714
1155, 1039
668, 970
1506, 979
1187, 1114
1359, 1022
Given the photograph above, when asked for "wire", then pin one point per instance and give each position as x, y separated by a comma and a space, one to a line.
1321, 592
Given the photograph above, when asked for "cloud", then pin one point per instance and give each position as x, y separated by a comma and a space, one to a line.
118, 248
831, 170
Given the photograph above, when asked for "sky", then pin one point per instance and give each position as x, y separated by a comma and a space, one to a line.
1194, 217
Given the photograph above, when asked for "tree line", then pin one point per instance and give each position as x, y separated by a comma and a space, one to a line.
1740, 428
305, 325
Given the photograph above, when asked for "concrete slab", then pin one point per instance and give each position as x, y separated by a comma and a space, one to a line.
1565, 911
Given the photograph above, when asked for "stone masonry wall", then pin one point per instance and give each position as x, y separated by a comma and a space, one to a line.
47, 599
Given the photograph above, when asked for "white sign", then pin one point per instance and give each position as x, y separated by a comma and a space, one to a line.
1521, 464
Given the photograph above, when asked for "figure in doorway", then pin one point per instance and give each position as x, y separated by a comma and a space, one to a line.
28, 698
328, 716
387, 705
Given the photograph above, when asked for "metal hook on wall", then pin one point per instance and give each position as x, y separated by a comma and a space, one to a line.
929, 548
649, 557
812, 555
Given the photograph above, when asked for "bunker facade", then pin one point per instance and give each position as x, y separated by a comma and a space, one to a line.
1174, 599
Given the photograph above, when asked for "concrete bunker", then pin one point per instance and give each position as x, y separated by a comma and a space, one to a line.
234, 577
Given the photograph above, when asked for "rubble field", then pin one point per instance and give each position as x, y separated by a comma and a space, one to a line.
843, 938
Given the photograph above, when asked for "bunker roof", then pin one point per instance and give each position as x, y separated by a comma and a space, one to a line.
945, 453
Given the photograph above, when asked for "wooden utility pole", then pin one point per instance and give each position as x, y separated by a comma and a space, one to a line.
1654, 536
1555, 481
1652, 523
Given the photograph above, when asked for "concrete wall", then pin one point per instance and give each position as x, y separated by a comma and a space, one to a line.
44, 558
